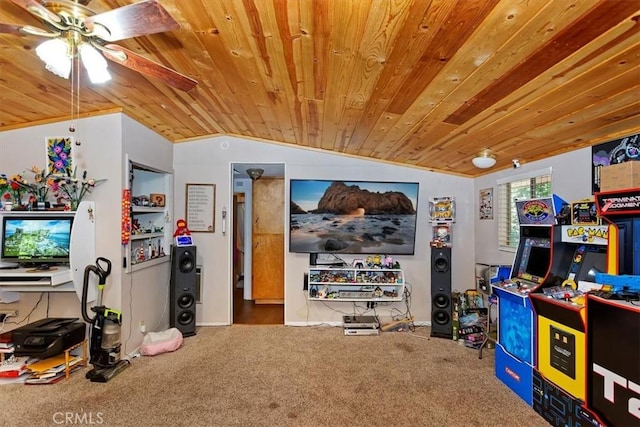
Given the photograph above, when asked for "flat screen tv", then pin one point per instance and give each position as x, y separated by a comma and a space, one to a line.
34, 240
352, 217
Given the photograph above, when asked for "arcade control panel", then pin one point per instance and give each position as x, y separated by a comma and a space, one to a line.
516, 286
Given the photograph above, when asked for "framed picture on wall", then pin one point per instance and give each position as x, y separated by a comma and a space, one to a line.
200, 208
486, 203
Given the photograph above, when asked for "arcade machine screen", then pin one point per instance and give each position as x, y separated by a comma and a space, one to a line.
535, 260
592, 261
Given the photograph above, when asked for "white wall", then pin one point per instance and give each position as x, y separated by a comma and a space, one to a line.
145, 293
208, 161
570, 180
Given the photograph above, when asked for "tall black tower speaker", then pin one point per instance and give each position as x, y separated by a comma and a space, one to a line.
441, 302
182, 292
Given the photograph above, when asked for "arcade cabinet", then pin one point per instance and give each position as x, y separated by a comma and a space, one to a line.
515, 347
621, 211
613, 352
613, 320
559, 386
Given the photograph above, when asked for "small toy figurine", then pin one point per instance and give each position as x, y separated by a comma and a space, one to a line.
564, 216
388, 261
181, 229
377, 261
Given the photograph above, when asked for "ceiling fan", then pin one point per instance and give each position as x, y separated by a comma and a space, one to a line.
75, 31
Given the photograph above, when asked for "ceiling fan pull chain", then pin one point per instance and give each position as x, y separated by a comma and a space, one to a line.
78, 77
72, 127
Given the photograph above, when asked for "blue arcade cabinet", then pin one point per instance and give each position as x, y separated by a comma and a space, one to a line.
514, 360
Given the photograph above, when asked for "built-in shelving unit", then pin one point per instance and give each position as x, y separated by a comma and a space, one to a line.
150, 237
355, 284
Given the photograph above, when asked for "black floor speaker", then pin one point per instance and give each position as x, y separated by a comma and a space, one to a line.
182, 293
441, 303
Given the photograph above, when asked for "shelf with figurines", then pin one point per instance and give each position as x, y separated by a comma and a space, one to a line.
59, 182
141, 233
144, 217
376, 279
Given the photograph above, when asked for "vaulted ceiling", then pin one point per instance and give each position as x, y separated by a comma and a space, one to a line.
424, 83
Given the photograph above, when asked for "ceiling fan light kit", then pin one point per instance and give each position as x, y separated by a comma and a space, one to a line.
78, 33
484, 160
94, 63
56, 55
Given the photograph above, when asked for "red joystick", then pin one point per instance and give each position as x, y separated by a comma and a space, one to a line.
567, 296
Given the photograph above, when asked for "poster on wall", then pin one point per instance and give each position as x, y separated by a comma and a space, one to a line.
486, 203
59, 158
611, 153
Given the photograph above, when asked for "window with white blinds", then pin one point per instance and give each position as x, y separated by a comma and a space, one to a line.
526, 186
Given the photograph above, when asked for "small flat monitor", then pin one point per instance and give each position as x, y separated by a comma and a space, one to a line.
535, 259
36, 240
592, 262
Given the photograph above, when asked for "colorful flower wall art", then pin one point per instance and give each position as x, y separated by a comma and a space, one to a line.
59, 160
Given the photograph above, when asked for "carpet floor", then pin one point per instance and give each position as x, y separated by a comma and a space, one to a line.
284, 376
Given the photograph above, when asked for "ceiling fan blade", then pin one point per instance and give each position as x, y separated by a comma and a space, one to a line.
138, 19
11, 29
146, 66
26, 30
35, 31
35, 8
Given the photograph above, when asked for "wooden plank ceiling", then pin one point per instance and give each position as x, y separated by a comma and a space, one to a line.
424, 83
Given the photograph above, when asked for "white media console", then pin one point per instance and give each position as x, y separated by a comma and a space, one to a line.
56, 276
62, 278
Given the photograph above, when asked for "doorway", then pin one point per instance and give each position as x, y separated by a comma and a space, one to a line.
244, 255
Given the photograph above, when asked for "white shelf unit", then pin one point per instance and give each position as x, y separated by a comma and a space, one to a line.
149, 244
355, 284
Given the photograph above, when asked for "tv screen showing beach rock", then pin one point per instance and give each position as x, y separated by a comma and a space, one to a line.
352, 217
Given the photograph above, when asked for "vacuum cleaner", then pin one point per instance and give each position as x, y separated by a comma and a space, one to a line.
104, 331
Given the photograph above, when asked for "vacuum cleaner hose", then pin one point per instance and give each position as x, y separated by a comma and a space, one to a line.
85, 286
102, 269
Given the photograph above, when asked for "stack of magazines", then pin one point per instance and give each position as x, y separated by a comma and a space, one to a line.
14, 367
51, 370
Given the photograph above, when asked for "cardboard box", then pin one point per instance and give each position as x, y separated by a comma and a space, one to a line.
620, 176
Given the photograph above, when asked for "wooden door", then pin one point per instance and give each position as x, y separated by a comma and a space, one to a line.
268, 241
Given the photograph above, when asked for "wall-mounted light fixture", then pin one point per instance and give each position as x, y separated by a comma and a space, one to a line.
484, 160
255, 173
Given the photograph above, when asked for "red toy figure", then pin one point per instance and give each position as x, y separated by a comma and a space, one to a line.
182, 229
